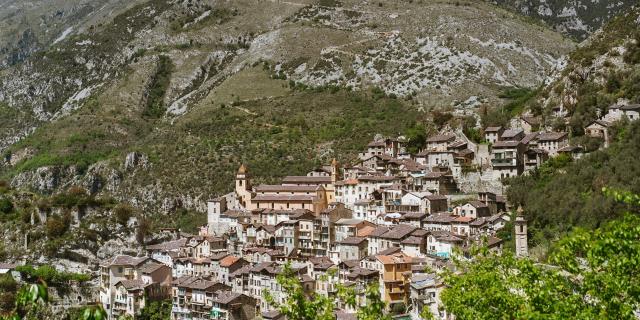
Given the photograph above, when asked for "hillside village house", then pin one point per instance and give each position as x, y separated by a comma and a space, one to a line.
473, 209
380, 221
551, 142
512, 135
395, 271
618, 112
125, 283
425, 293
529, 123
507, 159
492, 134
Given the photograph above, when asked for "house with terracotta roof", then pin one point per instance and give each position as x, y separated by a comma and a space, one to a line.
228, 265
461, 225
395, 275
345, 228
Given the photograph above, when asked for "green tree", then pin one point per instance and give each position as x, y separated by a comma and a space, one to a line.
416, 138
591, 275
310, 306
374, 307
298, 305
156, 310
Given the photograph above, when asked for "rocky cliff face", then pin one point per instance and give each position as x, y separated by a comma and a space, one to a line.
603, 71
577, 18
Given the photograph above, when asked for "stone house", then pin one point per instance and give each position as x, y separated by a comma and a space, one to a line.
352, 248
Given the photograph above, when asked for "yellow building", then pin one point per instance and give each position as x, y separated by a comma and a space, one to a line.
395, 277
313, 193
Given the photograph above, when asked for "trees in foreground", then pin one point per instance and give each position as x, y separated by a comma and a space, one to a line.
590, 274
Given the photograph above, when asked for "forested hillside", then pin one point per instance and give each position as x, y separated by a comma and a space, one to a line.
565, 194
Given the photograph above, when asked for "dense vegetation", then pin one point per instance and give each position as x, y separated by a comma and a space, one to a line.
563, 194
581, 280
302, 305
155, 106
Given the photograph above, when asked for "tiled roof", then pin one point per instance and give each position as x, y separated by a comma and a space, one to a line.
365, 231
226, 297
229, 261
349, 221
127, 261
413, 240
505, 144
477, 204
510, 133
379, 231
395, 258
398, 232
151, 267
551, 136
283, 197
352, 240
132, 285
492, 129
306, 179
284, 188
441, 138
415, 215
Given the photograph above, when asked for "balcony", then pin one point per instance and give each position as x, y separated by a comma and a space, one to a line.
504, 162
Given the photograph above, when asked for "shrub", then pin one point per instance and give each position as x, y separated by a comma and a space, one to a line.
158, 87
123, 212
6, 206
57, 226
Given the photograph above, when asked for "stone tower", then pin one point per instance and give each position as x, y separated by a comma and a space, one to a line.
335, 171
243, 187
215, 207
522, 249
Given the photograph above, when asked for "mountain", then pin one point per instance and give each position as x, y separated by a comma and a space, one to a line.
159, 103
27, 27
576, 18
602, 71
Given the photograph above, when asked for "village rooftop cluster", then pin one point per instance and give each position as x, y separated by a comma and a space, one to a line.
391, 219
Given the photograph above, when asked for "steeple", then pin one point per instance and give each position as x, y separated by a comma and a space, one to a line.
520, 224
335, 168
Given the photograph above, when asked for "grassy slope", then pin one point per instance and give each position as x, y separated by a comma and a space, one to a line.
275, 130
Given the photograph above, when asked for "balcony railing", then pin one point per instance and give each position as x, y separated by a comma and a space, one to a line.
504, 162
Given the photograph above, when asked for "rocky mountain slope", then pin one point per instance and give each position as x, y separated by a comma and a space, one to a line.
27, 27
603, 71
577, 18
157, 104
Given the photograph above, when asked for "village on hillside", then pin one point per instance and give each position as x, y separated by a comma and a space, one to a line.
391, 219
